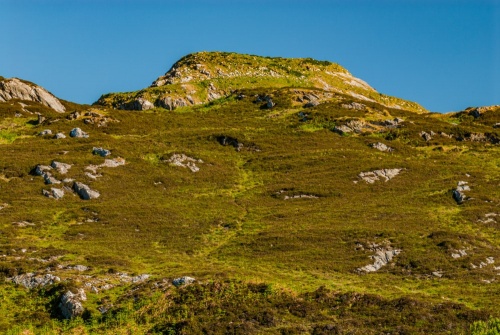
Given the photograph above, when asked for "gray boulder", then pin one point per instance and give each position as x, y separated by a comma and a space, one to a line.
71, 303
458, 192
139, 104
54, 193
183, 281
77, 132
41, 170
312, 103
101, 152
426, 136
184, 161
49, 179
380, 258
85, 192
16, 89
59, 136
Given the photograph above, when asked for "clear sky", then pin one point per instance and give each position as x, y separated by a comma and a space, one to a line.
444, 54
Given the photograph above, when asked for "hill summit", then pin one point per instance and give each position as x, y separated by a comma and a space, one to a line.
202, 77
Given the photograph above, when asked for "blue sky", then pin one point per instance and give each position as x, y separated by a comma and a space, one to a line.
444, 54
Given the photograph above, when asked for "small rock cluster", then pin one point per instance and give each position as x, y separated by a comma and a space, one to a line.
71, 303
183, 281
32, 280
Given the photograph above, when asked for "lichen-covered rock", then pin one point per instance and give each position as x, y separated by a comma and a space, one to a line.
71, 304
54, 193
118, 161
40, 170
16, 89
381, 258
31, 280
458, 193
183, 281
85, 192
59, 136
426, 136
78, 133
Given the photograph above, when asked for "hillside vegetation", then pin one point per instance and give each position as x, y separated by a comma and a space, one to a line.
297, 208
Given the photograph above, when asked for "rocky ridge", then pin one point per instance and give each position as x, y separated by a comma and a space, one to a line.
15, 88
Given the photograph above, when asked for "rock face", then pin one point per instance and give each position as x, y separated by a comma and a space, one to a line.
30, 280
183, 281
77, 132
353, 126
381, 147
171, 104
16, 89
85, 192
71, 303
373, 176
184, 161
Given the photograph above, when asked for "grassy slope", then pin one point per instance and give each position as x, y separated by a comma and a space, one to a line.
226, 222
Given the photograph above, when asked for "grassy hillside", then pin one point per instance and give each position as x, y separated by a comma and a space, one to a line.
274, 227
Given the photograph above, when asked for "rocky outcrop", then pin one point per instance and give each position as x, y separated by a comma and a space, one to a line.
171, 103
85, 192
354, 105
31, 280
183, 281
16, 89
139, 104
184, 161
373, 176
71, 303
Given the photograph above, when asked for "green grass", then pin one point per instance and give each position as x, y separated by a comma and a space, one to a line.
265, 265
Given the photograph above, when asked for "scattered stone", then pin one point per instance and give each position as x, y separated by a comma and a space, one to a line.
353, 126
45, 132
23, 224
300, 196
31, 280
183, 281
71, 303
438, 274
459, 254
184, 161
372, 176
101, 152
77, 132
55, 193
226, 140
269, 103
73, 116
140, 278
85, 192
496, 125
59, 136
354, 105
381, 146
41, 170
458, 193
312, 103
426, 136
393, 123
62, 168
115, 162
381, 258
80, 268
4, 205
49, 179
40, 119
